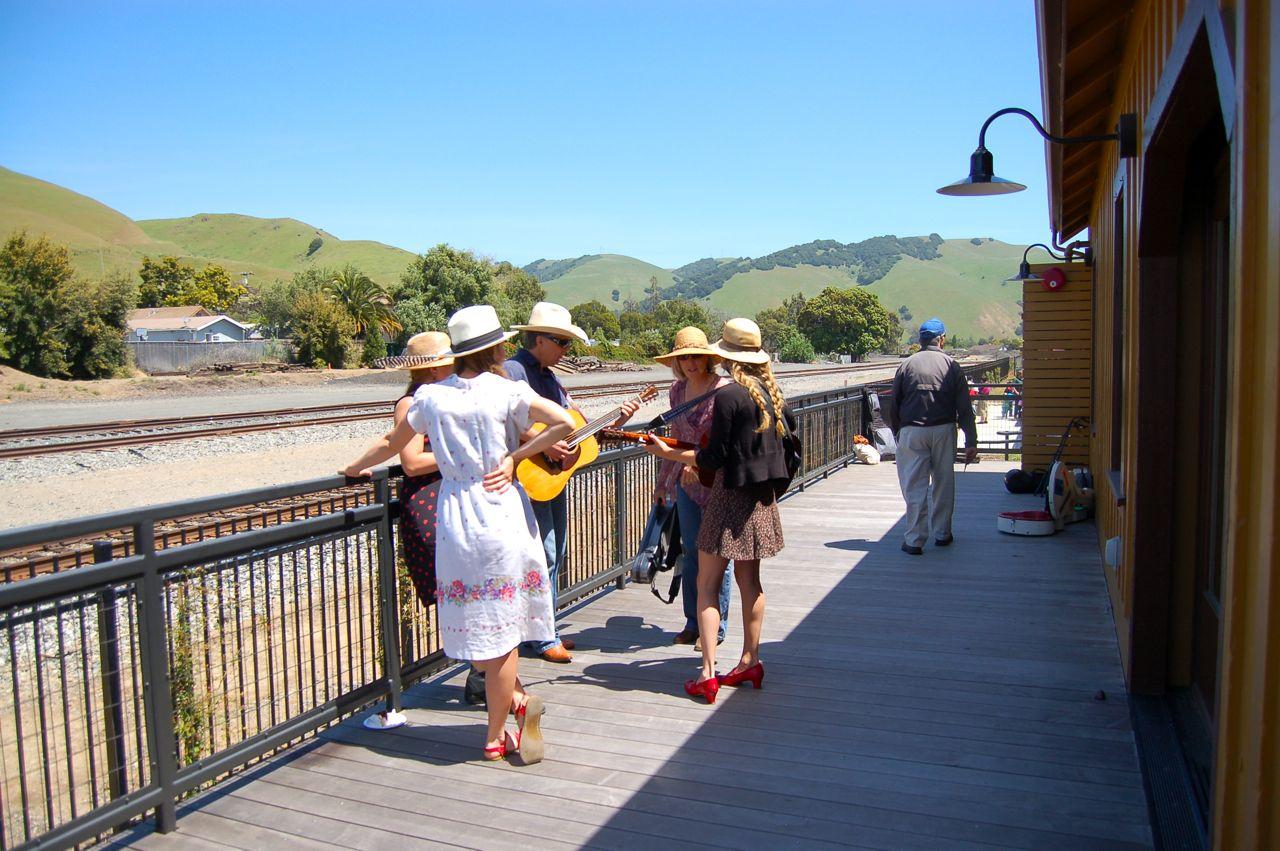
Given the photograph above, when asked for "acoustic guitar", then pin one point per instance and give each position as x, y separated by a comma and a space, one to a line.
544, 479
706, 477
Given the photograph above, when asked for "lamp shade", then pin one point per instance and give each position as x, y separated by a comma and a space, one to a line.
981, 179
1024, 274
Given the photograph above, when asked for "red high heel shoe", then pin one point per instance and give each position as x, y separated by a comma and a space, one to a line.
528, 739
706, 688
754, 675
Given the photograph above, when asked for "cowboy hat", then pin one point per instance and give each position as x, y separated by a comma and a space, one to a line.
740, 341
474, 329
689, 341
552, 319
422, 351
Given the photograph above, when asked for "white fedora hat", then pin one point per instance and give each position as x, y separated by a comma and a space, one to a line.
552, 319
473, 329
422, 351
740, 341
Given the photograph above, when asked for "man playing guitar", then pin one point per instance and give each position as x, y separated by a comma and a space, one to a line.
547, 336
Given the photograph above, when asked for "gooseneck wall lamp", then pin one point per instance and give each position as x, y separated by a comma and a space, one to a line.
982, 179
1024, 268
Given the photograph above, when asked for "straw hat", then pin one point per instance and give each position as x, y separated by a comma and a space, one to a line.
422, 351
740, 341
689, 341
474, 329
552, 319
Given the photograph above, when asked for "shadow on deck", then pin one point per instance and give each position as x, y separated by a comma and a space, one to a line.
945, 700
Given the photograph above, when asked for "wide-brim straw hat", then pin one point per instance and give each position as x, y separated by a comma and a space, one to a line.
740, 341
423, 351
689, 341
474, 329
550, 318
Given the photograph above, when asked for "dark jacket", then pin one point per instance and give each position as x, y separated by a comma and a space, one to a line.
749, 458
930, 389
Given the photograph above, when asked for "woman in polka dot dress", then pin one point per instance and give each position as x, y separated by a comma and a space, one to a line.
421, 484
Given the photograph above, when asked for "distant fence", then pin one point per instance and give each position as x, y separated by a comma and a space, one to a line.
173, 356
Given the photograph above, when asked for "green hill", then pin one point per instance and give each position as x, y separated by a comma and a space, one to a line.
102, 239
281, 245
596, 276
963, 283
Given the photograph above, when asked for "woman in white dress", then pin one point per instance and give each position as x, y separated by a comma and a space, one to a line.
492, 588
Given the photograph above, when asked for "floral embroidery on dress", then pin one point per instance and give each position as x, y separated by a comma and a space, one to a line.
494, 588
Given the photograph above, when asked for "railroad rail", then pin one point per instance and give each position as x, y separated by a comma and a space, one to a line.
87, 437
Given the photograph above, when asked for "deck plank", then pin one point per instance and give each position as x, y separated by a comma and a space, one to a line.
950, 699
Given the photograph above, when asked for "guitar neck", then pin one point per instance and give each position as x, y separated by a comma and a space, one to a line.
597, 424
646, 437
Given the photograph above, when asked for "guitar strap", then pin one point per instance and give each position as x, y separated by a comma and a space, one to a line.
680, 410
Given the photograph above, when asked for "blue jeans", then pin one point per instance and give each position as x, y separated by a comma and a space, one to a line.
690, 522
553, 528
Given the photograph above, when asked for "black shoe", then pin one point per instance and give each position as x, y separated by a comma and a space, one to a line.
944, 542
912, 551
473, 692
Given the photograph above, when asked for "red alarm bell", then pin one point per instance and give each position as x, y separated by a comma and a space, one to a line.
1053, 279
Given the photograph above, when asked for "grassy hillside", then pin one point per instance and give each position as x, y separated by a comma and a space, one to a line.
102, 240
965, 286
275, 244
597, 278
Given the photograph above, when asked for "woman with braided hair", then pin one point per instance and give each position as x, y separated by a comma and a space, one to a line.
751, 428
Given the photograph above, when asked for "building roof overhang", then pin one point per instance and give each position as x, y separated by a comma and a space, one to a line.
1082, 45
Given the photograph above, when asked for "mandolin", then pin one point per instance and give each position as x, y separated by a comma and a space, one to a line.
706, 477
544, 479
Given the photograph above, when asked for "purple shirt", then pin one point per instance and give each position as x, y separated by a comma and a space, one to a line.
691, 428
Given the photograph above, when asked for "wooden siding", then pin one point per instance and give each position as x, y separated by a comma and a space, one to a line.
1057, 343
1243, 38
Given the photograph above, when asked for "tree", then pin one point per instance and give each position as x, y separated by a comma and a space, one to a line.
53, 324
616, 294
653, 293
161, 280
170, 282
776, 323
374, 347
448, 277
515, 292
795, 348
322, 330
673, 314
34, 279
314, 246
847, 321
417, 315
96, 320
364, 301
597, 320
211, 288
632, 323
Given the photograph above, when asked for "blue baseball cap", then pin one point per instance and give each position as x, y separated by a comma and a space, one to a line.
932, 328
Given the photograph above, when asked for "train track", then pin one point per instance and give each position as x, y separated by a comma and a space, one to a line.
86, 437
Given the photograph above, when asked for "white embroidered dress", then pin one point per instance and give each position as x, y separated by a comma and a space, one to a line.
492, 591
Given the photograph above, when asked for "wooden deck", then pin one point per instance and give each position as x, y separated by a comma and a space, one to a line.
949, 700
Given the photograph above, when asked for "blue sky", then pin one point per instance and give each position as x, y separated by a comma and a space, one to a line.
668, 131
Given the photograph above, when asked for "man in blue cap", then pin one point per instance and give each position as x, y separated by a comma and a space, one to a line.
930, 396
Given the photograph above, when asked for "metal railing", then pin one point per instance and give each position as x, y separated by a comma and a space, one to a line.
997, 410
134, 681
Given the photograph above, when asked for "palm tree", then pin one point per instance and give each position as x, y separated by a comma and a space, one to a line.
364, 300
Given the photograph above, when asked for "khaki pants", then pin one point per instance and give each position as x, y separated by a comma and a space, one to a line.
924, 453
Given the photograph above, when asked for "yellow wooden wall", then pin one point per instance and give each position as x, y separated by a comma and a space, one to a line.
1057, 341
1246, 808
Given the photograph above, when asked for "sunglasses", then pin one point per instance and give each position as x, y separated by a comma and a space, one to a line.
562, 342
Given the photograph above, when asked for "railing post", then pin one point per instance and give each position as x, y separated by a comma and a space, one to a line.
112, 696
157, 697
387, 597
620, 517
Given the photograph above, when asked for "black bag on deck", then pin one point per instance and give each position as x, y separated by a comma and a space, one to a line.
660, 550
